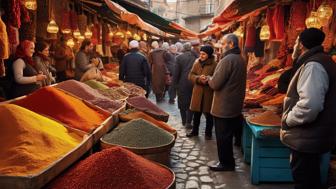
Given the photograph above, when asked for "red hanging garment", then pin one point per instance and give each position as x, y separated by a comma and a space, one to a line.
279, 22
250, 39
270, 23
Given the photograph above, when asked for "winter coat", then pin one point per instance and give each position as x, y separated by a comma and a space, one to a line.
157, 60
202, 94
184, 63
229, 85
135, 69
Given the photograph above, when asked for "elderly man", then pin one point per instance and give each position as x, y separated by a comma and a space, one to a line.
134, 67
228, 83
308, 126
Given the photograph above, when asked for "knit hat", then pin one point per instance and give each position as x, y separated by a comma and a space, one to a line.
311, 37
207, 49
134, 44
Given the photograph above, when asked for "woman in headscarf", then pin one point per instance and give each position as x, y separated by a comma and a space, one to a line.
26, 77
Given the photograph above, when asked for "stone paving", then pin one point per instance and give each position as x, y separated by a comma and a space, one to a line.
190, 157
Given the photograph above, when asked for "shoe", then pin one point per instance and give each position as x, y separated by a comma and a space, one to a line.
192, 133
220, 167
188, 126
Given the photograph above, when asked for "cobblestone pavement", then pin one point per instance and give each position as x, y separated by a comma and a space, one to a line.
190, 156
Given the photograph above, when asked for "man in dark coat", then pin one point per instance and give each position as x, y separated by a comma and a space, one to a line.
184, 63
134, 68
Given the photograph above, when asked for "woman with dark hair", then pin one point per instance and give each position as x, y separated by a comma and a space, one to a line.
41, 58
26, 77
82, 59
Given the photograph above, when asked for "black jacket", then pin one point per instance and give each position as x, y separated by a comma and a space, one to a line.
135, 69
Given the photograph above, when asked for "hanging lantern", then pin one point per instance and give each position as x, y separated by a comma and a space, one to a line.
111, 34
128, 34
88, 33
313, 21
76, 33
144, 36
30, 4
239, 32
136, 37
66, 31
52, 27
265, 33
324, 13
120, 34
70, 43
81, 38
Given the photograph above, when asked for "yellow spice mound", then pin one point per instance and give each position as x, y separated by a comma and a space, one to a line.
29, 142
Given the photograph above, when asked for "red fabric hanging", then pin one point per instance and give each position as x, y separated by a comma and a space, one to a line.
96, 34
250, 38
279, 22
270, 22
73, 20
66, 20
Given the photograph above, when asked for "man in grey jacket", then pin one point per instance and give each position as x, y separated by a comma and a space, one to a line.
308, 122
228, 83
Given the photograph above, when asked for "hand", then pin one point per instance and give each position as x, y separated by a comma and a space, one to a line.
40, 77
203, 79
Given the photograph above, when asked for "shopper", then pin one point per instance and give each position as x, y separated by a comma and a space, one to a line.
308, 126
202, 94
26, 78
171, 63
82, 59
228, 83
43, 63
63, 56
159, 70
134, 67
184, 63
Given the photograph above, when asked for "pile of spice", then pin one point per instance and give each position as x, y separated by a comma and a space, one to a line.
89, 94
134, 89
138, 133
29, 142
143, 104
63, 107
115, 168
96, 84
115, 93
276, 101
268, 118
131, 114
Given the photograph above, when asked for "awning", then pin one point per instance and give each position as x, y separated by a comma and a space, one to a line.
214, 28
157, 21
132, 18
237, 10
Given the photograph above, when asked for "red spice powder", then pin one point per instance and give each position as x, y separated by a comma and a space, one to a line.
65, 108
114, 168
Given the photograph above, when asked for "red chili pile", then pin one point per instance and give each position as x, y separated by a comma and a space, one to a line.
114, 168
143, 104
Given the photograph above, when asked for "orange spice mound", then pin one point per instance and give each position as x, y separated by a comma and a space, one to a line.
277, 100
134, 114
63, 107
268, 118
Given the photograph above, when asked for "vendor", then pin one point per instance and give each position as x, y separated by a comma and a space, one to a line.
82, 59
26, 76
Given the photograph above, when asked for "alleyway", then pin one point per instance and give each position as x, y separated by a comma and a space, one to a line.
189, 159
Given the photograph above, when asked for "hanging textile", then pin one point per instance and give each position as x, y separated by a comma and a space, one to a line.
82, 23
73, 20
250, 38
270, 23
260, 45
279, 22
66, 22
4, 48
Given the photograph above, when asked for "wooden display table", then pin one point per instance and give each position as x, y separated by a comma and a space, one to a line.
269, 158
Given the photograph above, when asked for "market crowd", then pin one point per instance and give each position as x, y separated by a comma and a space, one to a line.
205, 81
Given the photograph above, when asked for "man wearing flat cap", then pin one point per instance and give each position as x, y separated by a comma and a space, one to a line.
308, 121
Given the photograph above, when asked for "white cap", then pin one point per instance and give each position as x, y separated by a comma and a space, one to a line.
134, 44
155, 44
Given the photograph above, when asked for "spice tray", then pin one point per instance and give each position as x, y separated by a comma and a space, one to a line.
42, 178
172, 185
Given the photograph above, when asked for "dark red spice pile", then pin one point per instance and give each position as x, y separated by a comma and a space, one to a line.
114, 168
143, 104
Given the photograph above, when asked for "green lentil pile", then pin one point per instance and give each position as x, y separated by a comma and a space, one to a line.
138, 133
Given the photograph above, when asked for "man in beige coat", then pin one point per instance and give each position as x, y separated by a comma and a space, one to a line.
228, 83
